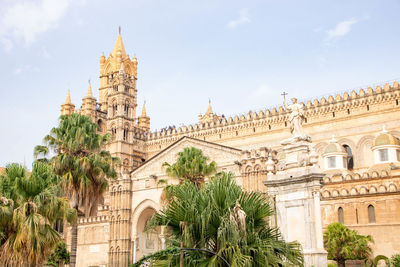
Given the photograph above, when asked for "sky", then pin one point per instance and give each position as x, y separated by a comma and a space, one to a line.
239, 54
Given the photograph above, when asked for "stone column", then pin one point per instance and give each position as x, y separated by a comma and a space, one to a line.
296, 187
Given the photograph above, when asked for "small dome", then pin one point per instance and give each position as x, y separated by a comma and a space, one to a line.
334, 147
385, 139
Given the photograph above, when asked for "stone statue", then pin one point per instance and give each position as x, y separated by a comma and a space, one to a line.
238, 216
296, 117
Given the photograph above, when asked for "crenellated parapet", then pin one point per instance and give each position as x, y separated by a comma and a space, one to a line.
317, 110
94, 219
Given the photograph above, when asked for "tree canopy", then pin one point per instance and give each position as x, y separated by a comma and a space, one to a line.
30, 204
222, 218
81, 162
343, 244
191, 165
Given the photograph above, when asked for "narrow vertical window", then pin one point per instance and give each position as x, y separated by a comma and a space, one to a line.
350, 159
371, 214
341, 215
126, 134
357, 216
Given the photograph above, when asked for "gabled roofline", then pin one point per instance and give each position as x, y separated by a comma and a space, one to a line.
176, 142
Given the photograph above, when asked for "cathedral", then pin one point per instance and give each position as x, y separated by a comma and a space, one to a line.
344, 168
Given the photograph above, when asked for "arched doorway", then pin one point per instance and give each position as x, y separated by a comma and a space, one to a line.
147, 241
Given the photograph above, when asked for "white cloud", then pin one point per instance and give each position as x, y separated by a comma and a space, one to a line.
25, 20
342, 28
26, 68
243, 19
7, 44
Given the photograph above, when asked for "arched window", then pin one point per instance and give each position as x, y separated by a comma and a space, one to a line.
350, 159
114, 132
101, 125
59, 226
371, 214
340, 215
126, 108
115, 108
126, 132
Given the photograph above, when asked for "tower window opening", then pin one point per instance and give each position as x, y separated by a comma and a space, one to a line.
367, 107
115, 109
220, 136
126, 108
371, 214
341, 215
348, 111
125, 134
254, 130
333, 114
305, 120
285, 123
397, 102
269, 127
114, 132
237, 133
350, 159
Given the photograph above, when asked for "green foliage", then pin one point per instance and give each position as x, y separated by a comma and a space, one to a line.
331, 264
191, 165
395, 260
343, 244
375, 261
204, 218
29, 207
59, 256
80, 161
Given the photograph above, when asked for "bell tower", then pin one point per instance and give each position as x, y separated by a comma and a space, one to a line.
118, 98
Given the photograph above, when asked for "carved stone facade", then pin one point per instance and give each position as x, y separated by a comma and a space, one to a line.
361, 192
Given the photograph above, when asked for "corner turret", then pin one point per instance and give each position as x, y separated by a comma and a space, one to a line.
89, 104
67, 108
144, 120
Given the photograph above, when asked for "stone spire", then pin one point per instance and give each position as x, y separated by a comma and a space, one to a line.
209, 115
68, 99
209, 108
119, 45
144, 120
89, 103
89, 92
67, 108
144, 110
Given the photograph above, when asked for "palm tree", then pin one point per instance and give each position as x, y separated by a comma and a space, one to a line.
191, 165
84, 167
343, 244
29, 207
207, 218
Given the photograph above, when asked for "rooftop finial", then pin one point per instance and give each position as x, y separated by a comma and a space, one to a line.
333, 140
144, 114
89, 92
384, 128
68, 99
119, 30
